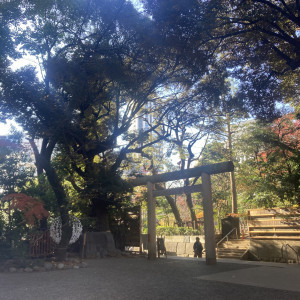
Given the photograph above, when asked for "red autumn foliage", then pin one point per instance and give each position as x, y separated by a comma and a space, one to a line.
31, 208
287, 129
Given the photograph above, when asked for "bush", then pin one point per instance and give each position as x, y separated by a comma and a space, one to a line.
167, 230
20, 249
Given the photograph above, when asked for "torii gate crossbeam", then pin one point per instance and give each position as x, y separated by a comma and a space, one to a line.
204, 172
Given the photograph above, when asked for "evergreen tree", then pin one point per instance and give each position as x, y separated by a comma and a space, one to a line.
257, 40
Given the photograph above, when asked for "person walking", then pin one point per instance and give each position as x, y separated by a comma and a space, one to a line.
198, 248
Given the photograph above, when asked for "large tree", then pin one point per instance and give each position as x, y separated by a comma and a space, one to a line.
262, 42
269, 173
99, 67
258, 41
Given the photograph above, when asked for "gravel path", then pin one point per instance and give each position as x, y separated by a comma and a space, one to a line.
138, 278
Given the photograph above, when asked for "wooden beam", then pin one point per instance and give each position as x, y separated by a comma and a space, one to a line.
276, 231
179, 190
272, 226
264, 237
183, 174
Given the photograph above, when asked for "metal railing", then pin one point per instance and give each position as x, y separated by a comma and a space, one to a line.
286, 246
227, 236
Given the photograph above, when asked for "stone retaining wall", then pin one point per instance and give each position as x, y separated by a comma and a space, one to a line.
274, 250
181, 245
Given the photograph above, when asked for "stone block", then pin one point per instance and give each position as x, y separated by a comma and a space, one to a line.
181, 248
171, 248
60, 266
48, 265
175, 238
189, 249
83, 265
28, 270
186, 239
99, 244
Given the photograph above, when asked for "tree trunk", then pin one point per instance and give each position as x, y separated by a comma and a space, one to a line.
233, 193
63, 205
191, 209
232, 177
100, 211
43, 162
189, 201
172, 204
41, 179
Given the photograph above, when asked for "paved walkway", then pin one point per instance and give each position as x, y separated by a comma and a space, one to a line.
260, 274
172, 278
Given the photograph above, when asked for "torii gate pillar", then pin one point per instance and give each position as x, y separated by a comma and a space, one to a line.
151, 222
209, 228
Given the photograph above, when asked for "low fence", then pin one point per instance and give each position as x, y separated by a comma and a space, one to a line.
41, 245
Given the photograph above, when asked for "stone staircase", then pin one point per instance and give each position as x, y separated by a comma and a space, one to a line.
233, 248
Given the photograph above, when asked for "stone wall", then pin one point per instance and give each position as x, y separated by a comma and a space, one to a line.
271, 250
181, 245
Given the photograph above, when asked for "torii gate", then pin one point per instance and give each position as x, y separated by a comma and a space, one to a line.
205, 188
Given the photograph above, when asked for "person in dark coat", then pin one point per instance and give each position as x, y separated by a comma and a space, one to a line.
198, 248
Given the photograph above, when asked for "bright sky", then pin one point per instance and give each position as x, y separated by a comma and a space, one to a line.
5, 127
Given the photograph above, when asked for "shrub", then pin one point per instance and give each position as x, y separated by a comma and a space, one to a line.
168, 230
